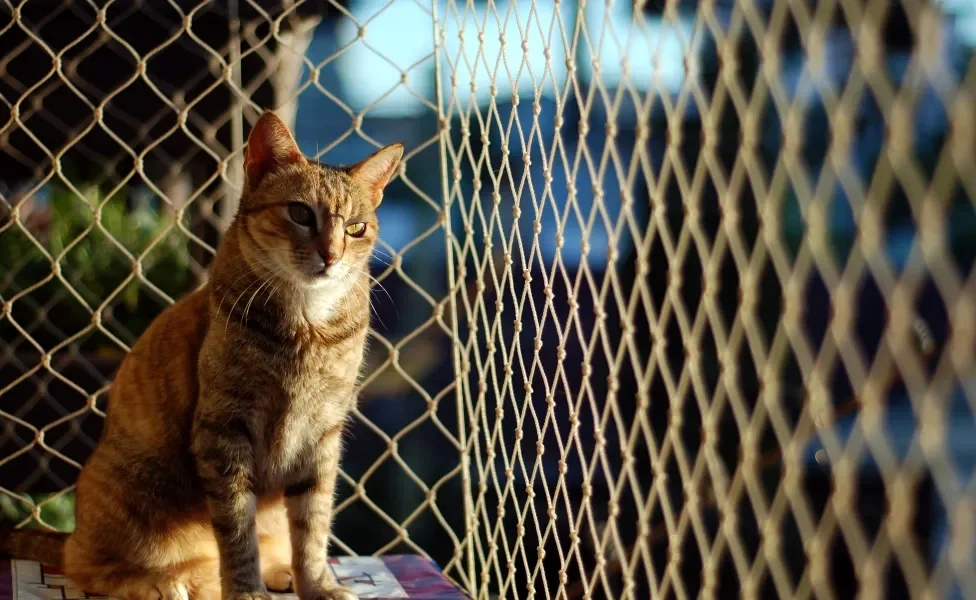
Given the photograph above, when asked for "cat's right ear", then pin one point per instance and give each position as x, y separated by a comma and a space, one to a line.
375, 172
270, 146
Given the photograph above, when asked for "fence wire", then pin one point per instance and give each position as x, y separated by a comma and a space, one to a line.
122, 140
702, 272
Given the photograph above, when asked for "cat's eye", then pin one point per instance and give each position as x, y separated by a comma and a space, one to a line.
356, 229
301, 214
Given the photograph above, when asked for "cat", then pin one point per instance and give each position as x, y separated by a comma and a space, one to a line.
216, 470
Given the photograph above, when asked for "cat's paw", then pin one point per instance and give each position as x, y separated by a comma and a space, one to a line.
166, 590
173, 590
253, 596
332, 593
278, 581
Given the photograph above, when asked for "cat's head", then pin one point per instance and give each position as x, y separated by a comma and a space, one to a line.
305, 221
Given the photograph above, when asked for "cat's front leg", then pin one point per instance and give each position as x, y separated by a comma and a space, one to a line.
309, 503
225, 461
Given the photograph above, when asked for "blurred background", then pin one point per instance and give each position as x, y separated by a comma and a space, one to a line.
657, 313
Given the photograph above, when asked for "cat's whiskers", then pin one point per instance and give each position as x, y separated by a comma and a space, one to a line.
380, 257
273, 291
268, 279
345, 295
362, 287
372, 307
246, 269
383, 262
231, 311
382, 252
377, 284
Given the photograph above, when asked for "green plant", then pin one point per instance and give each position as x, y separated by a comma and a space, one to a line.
57, 511
97, 243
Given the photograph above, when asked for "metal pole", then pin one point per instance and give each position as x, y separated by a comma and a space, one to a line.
235, 164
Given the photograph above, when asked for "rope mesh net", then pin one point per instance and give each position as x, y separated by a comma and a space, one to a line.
673, 299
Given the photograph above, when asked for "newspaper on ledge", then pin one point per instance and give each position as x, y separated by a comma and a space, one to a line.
383, 578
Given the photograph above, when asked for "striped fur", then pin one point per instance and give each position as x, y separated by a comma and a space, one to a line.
215, 475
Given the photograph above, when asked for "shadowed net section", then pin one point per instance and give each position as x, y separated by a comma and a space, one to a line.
714, 269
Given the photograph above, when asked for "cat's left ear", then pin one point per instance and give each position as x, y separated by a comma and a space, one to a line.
375, 171
270, 146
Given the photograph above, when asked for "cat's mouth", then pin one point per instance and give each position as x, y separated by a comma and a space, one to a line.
318, 274
316, 271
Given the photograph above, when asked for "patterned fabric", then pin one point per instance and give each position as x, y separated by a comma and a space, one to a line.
388, 577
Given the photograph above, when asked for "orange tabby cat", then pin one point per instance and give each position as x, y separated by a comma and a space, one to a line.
216, 471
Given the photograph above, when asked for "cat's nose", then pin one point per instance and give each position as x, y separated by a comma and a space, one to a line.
329, 258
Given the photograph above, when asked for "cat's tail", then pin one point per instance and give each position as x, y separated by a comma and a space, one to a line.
46, 547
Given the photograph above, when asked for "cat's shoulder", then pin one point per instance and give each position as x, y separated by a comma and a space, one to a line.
185, 322
190, 311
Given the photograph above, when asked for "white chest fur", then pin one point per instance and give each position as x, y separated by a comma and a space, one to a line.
322, 302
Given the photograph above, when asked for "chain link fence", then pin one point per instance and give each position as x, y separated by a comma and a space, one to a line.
122, 142
676, 297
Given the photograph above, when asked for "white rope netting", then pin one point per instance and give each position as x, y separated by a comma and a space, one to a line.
712, 296
680, 294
